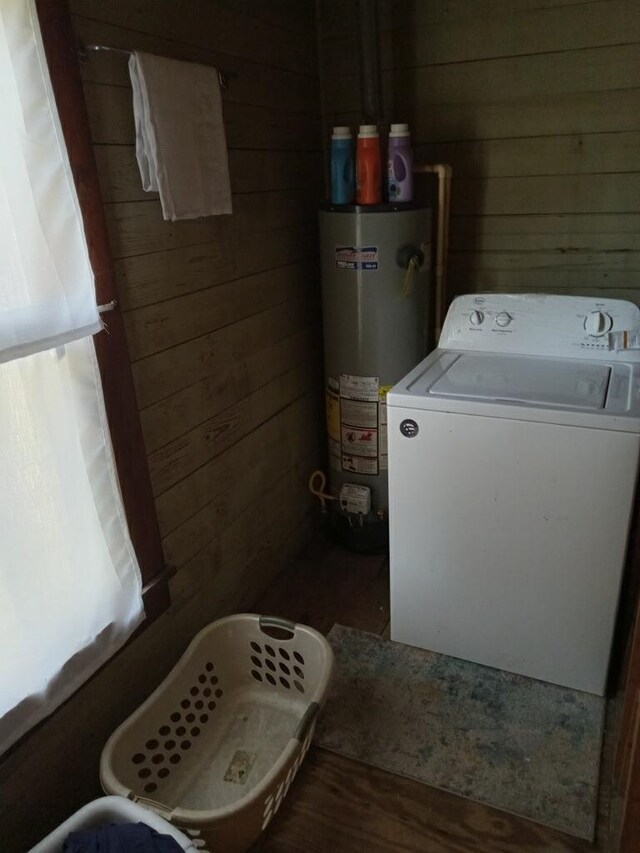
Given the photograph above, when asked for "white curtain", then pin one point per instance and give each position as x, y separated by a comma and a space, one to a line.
70, 589
70, 586
47, 293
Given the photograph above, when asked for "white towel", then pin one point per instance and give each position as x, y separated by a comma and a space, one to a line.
180, 141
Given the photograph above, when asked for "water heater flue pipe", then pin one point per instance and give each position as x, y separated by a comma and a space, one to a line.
442, 245
370, 78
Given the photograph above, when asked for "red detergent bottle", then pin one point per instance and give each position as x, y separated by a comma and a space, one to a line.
368, 173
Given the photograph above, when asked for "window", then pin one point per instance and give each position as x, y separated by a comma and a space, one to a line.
71, 589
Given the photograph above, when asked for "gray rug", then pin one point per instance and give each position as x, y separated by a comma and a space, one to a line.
515, 743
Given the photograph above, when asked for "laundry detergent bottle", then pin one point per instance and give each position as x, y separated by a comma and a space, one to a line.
368, 174
342, 166
400, 164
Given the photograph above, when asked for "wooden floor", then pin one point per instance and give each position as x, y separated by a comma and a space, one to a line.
343, 806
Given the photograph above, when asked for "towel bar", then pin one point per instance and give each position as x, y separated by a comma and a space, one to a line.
223, 76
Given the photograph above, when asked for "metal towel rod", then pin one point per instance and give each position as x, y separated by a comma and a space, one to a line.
108, 306
223, 76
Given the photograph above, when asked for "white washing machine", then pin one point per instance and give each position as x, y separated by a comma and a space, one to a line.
513, 453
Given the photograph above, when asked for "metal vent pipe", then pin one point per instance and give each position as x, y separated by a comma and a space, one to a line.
370, 78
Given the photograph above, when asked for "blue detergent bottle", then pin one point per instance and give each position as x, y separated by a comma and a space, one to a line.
342, 166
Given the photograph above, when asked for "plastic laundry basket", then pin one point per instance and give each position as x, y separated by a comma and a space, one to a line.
215, 748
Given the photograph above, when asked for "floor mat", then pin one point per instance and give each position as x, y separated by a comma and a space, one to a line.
512, 742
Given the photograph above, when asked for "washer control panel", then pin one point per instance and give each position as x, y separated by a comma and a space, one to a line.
542, 324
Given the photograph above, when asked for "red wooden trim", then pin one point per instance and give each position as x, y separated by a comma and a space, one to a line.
627, 717
629, 839
629, 650
122, 410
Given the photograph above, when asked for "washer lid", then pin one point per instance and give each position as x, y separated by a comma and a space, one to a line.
525, 379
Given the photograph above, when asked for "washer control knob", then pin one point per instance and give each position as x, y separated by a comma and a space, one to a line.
476, 318
597, 323
503, 319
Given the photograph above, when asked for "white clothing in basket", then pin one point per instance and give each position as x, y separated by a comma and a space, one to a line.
180, 140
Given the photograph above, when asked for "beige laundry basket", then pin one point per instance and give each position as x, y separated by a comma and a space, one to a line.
216, 746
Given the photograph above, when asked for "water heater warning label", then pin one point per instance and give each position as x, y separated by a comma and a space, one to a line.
357, 257
359, 464
361, 442
382, 427
359, 426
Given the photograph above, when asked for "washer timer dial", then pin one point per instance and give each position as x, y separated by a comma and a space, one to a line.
598, 323
503, 319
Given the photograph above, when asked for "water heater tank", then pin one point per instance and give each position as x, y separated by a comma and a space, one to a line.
374, 263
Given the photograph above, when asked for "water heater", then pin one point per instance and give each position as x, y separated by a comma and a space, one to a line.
374, 263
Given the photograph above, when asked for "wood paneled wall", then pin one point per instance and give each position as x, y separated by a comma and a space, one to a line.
223, 325
221, 313
536, 105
